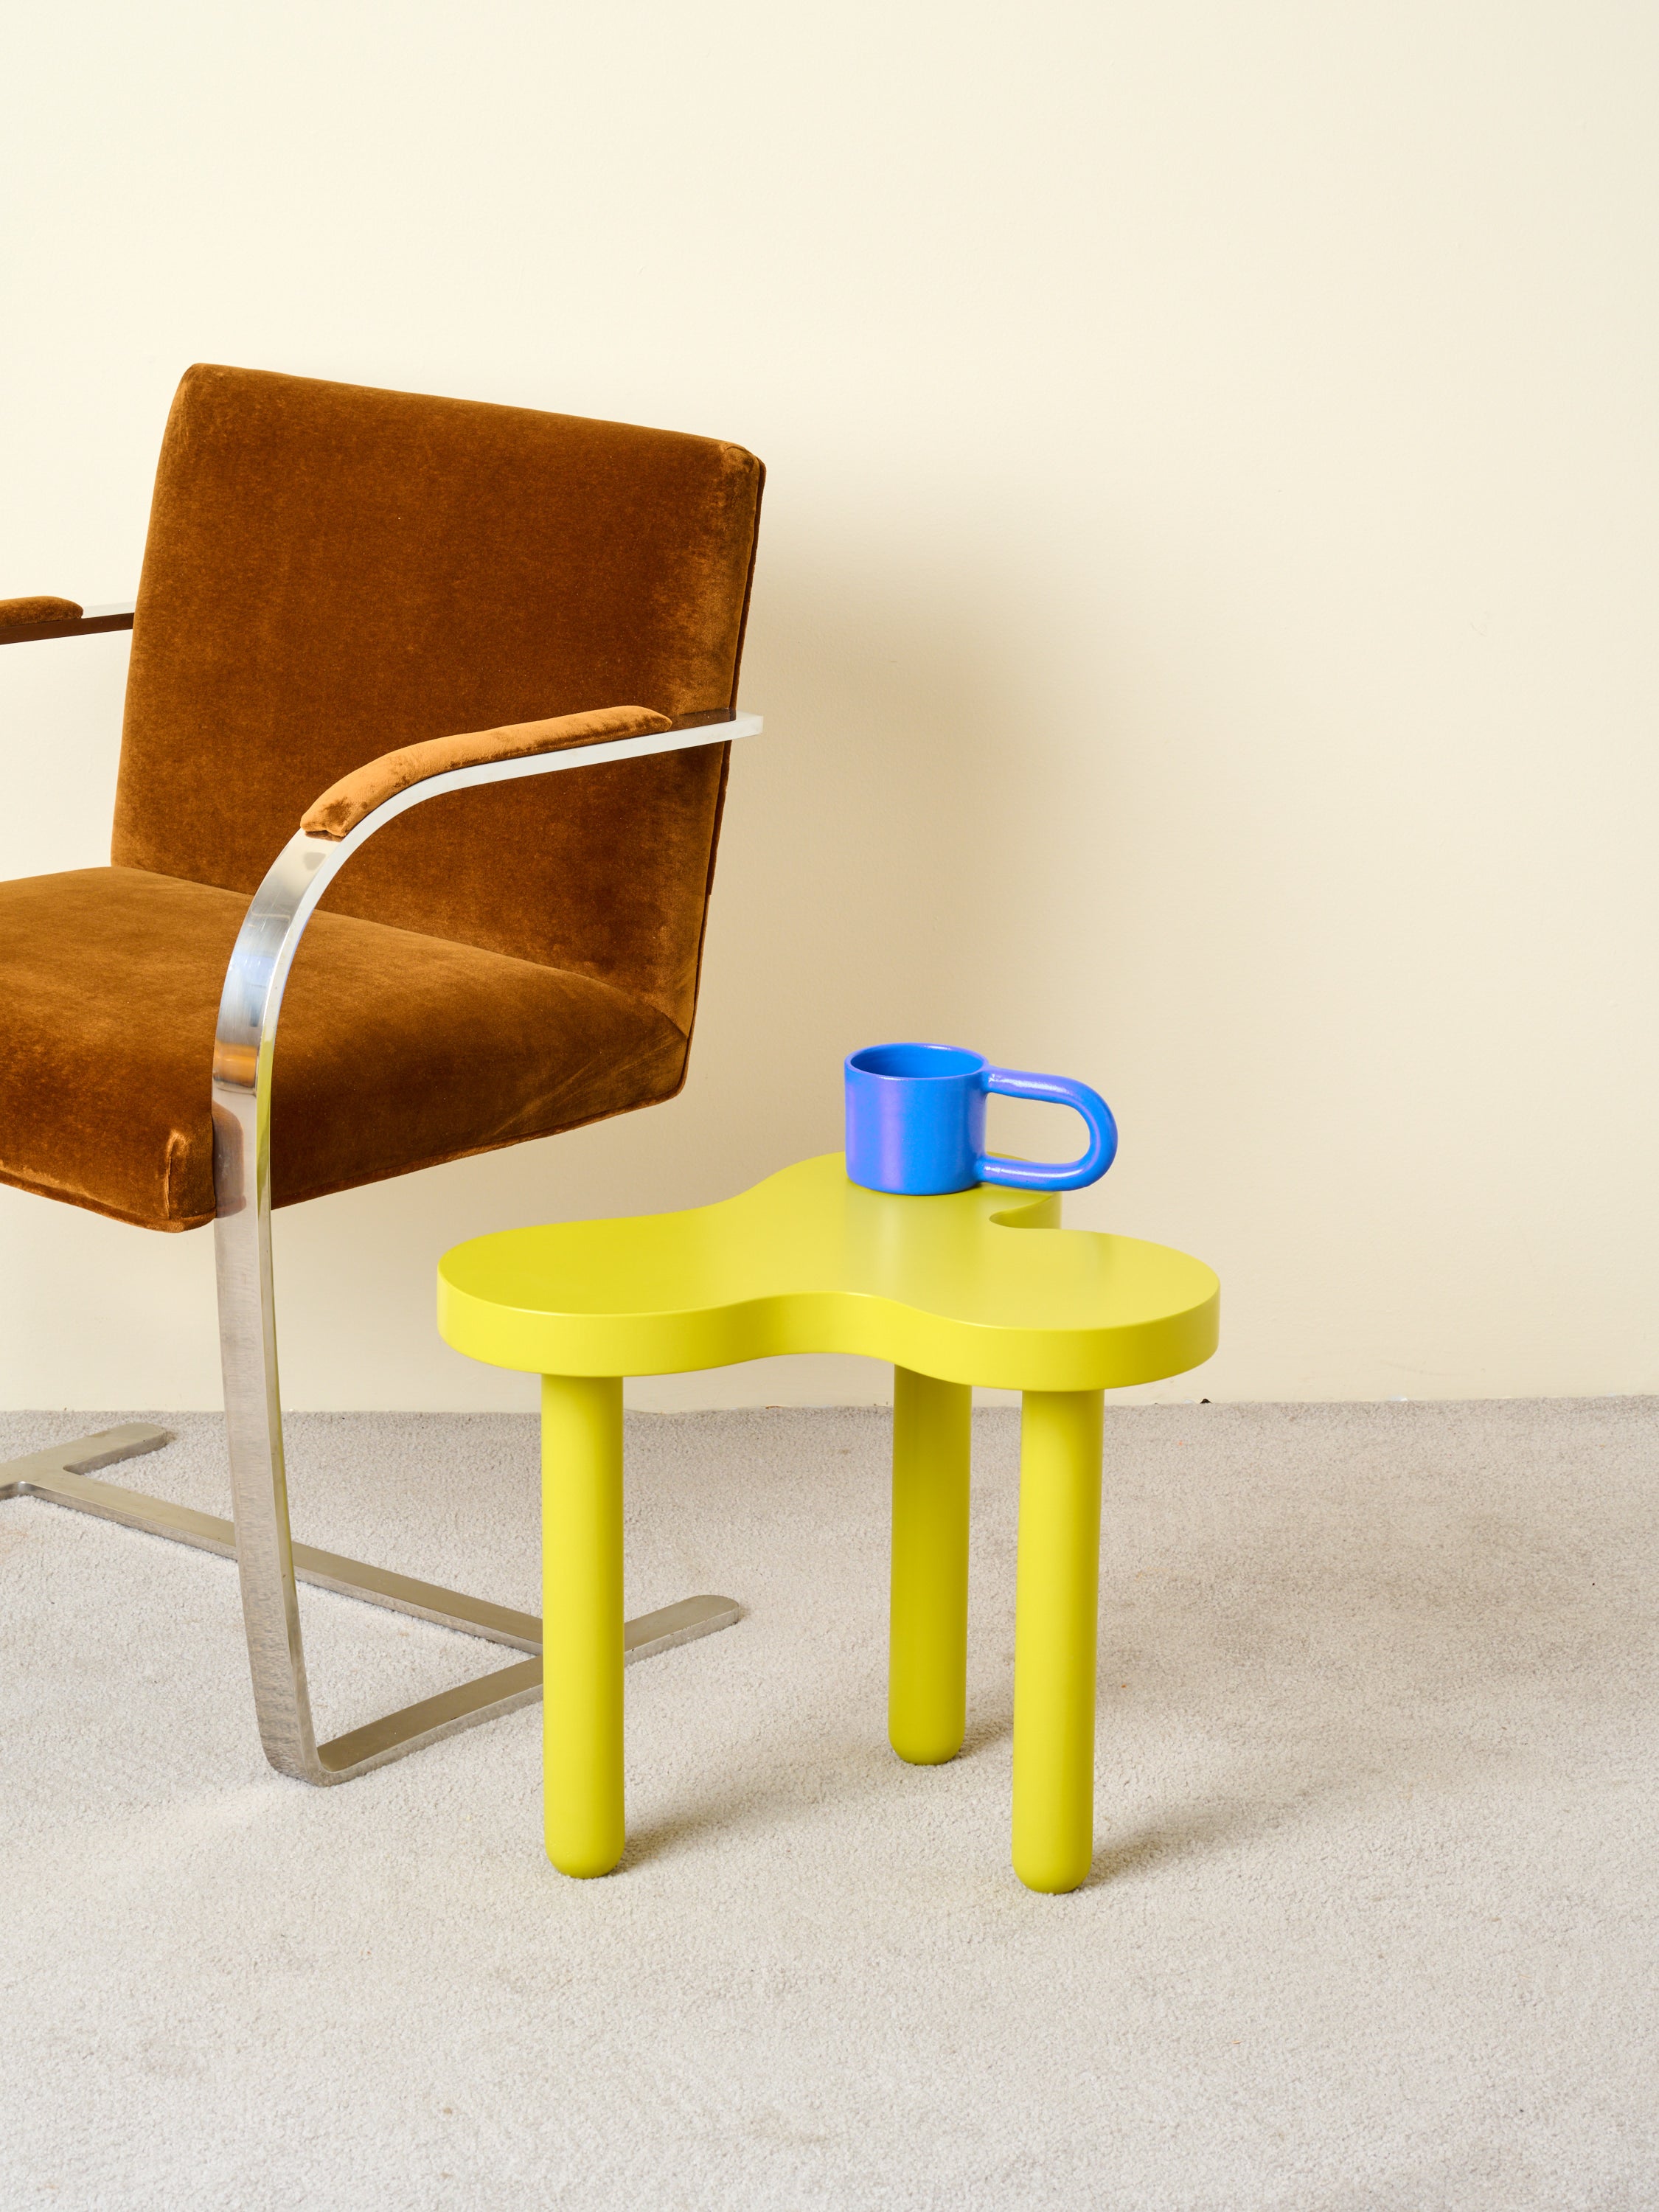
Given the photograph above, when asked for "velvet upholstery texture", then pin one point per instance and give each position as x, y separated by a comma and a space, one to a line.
334, 573
335, 579
394, 1050
345, 803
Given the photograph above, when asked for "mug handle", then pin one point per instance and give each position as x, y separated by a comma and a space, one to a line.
1061, 1175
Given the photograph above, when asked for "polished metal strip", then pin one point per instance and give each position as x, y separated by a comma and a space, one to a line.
433, 1718
269, 1562
328, 1571
475, 1616
508, 1687
680, 1623
82, 1455
154, 1517
54, 1476
266, 1556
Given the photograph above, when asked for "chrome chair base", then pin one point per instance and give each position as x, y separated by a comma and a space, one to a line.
269, 1563
62, 1475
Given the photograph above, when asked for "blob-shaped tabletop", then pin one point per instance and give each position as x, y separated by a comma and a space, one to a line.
978, 1286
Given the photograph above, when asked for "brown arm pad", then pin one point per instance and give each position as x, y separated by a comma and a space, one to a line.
344, 804
31, 614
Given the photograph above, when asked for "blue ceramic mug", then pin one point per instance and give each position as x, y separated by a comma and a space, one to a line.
916, 1122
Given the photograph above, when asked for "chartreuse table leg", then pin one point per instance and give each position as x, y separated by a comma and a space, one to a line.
928, 1670
582, 1620
1057, 1602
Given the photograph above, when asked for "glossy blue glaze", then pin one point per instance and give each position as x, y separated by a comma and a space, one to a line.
916, 1122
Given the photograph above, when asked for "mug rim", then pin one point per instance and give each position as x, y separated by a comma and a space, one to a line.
966, 1063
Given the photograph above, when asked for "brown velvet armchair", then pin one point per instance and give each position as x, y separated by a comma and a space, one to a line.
373, 615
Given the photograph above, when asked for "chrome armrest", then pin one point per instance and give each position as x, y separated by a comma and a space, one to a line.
87, 623
276, 921
242, 1056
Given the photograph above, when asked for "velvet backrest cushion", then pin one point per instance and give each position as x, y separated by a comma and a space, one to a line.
332, 572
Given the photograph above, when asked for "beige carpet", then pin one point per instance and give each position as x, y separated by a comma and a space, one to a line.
1373, 1920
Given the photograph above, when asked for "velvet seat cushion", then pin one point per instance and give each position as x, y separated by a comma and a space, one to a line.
394, 1051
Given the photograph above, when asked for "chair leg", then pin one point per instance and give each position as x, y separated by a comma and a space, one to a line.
64, 1466
1055, 1634
582, 1606
64, 1474
269, 1562
928, 1643
267, 1559
264, 1546
258, 1488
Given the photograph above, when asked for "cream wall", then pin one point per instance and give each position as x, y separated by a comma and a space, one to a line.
1205, 617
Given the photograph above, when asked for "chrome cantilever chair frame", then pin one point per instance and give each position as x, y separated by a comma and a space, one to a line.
260, 1538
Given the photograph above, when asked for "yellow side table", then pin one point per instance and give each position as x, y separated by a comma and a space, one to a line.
980, 1286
